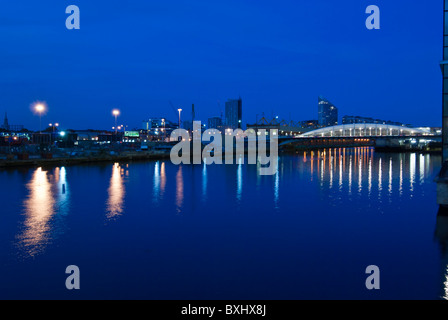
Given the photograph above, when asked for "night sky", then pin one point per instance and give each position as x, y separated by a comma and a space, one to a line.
279, 56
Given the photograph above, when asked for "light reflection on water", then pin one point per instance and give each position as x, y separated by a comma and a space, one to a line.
204, 182
239, 179
116, 191
48, 195
179, 189
341, 175
159, 181
357, 166
48, 192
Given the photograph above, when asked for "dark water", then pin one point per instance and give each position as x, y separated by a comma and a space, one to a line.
153, 230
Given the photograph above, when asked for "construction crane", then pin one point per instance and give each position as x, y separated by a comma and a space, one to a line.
220, 110
174, 109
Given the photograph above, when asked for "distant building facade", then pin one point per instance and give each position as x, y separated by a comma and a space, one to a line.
234, 113
158, 128
327, 113
358, 119
153, 123
308, 124
214, 123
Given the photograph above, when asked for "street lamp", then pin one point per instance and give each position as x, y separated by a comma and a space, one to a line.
116, 113
180, 110
163, 130
40, 109
53, 127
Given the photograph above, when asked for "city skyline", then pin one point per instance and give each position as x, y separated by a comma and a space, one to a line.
233, 112
224, 151
118, 61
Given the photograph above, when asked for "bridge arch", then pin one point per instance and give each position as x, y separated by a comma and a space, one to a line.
364, 130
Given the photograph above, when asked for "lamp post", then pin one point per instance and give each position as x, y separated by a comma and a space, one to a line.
180, 110
116, 113
53, 127
40, 108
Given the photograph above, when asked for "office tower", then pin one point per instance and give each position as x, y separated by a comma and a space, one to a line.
234, 113
327, 113
214, 123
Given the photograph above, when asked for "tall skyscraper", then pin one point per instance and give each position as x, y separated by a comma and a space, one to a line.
234, 113
327, 113
444, 67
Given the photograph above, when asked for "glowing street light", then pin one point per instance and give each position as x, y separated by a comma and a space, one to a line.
40, 108
116, 113
53, 127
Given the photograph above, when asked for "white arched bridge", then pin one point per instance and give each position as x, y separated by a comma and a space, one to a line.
362, 135
365, 130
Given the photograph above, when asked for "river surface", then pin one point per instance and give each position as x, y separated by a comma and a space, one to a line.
154, 230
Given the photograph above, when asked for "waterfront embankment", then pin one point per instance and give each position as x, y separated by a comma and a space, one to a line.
128, 156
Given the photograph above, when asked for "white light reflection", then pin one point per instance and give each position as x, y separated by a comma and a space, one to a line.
340, 170
350, 174
421, 162
156, 181
159, 181
115, 202
239, 179
204, 180
360, 172
62, 191
370, 175
179, 190
312, 164
380, 178
401, 177
276, 185
390, 177
331, 169
322, 168
412, 171
39, 208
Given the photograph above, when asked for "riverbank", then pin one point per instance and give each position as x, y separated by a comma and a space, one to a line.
41, 162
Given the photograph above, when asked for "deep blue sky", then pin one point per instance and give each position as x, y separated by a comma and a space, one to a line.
277, 55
